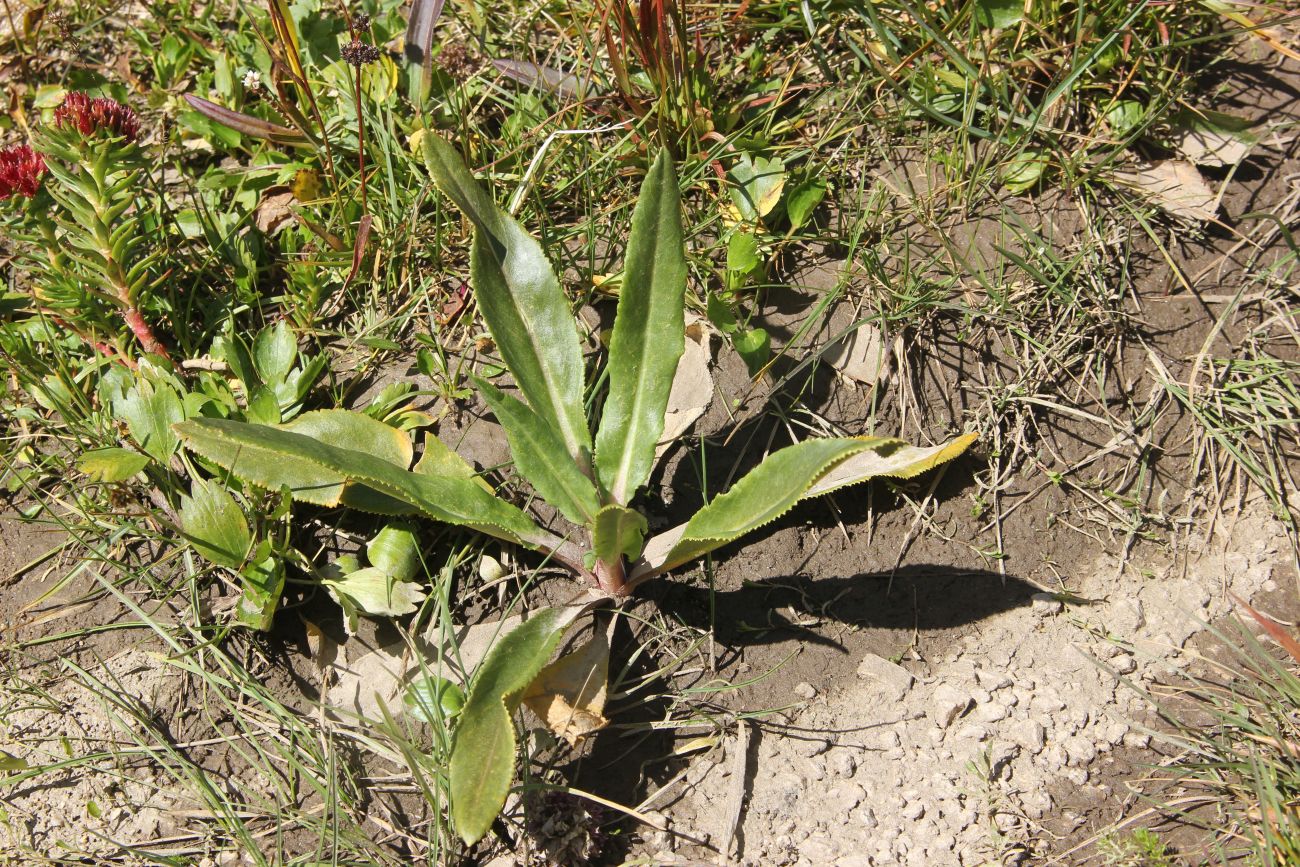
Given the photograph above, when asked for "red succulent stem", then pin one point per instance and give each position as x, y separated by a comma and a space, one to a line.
143, 331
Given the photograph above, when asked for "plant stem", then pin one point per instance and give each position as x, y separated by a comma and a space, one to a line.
612, 577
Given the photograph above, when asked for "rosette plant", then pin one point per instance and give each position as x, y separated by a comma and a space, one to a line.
592, 477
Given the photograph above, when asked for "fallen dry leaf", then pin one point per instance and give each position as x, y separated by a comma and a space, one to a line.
274, 210
569, 694
863, 355
1208, 147
692, 389
1176, 187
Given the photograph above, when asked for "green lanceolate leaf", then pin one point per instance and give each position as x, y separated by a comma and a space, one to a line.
483, 747
358, 432
890, 458
617, 532
522, 303
215, 525
795, 473
417, 49
439, 460
648, 336
541, 457
275, 458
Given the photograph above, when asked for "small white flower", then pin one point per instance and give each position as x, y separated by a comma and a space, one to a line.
252, 80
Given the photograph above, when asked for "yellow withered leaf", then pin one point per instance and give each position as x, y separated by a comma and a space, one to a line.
569, 694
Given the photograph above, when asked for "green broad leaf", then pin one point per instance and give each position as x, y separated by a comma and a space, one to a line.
395, 552
359, 432
483, 746
1124, 117
541, 457
149, 410
648, 338
374, 591
999, 14
10, 762
275, 458
214, 524
262, 585
522, 303
274, 351
889, 458
433, 699
1025, 170
801, 201
757, 184
617, 532
112, 464
743, 260
439, 460
754, 345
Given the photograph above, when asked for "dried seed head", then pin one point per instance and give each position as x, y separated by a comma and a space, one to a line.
458, 61
360, 53
89, 116
360, 23
21, 170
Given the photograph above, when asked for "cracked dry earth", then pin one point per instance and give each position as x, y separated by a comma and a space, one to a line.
993, 753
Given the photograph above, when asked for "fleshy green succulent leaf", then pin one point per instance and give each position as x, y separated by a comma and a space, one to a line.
541, 457
522, 303
483, 747
214, 524
374, 591
808, 469
395, 551
275, 458
648, 337
617, 532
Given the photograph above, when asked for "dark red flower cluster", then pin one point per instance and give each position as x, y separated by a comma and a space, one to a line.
88, 116
21, 170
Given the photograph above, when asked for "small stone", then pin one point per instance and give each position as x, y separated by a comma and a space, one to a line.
973, 732
1137, 740
1001, 754
1127, 616
1081, 750
992, 680
948, 703
1030, 734
867, 818
1036, 803
892, 678
1046, 604
810, 746
805, 690
913, 811
990, 712
842, 763
1124, 664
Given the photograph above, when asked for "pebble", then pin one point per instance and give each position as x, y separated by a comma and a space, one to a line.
1030, 734
948, 703
805, 690
809, 747
992, 680
893, 678
991, 712
1124, 664
842, 763
1045, 604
